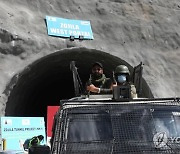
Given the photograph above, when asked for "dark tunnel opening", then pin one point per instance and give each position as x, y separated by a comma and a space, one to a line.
49, 79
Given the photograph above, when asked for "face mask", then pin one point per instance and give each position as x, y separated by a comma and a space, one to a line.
121, 78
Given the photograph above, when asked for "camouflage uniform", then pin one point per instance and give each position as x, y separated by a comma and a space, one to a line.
122, 69
133, 91
103, 83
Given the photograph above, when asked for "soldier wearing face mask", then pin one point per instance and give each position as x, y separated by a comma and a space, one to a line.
122, 78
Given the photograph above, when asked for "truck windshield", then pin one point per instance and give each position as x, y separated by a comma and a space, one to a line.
89, 127
166, 129
125, 129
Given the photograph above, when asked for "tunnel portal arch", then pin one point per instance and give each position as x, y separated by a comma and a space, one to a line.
48, 80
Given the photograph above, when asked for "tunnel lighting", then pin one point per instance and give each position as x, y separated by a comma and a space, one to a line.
72, 38
81, 37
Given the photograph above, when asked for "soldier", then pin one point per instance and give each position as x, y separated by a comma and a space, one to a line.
98, 83
122, 77
34, 141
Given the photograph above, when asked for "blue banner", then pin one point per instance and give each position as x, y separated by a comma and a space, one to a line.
66, 27
16, 130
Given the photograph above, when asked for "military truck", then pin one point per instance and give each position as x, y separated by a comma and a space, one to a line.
103, 124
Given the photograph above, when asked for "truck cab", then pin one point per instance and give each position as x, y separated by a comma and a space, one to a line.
107, 126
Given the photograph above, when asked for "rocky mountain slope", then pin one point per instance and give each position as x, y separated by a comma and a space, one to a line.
133, 30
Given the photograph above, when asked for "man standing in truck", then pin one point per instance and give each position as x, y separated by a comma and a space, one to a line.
98, 83
122, 78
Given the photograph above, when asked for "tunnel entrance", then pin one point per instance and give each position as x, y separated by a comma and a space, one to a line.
48, 80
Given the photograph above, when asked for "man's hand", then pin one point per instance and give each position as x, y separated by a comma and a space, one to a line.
92, 88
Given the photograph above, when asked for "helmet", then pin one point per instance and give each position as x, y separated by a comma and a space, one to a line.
122, 69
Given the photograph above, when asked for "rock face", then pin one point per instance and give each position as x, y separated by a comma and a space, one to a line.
34, 65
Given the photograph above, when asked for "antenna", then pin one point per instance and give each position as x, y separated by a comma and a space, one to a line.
78, 88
